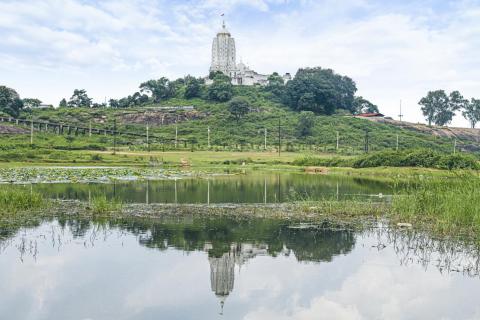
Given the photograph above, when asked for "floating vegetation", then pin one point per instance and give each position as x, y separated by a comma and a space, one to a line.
85, 174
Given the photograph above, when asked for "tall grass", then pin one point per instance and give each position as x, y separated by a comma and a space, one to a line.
102, 205
450, 204
12, 201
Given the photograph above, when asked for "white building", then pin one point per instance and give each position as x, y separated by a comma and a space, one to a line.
224, 60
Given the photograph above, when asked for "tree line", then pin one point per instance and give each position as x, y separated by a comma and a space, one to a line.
438, 107
318, 90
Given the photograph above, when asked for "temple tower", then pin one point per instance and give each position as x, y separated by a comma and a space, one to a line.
223, 52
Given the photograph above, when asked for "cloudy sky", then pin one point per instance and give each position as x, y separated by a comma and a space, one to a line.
392, 49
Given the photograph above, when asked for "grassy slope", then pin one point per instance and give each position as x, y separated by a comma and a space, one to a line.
248, 132
227, 134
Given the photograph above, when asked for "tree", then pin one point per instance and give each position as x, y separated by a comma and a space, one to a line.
63, 103
362, 105
439, 108
275, 85
10, 101
113, 103
471, 111
161, 89
221, 90
193, 87
320, 90
80, 99
31, 103
306, 121
238, 107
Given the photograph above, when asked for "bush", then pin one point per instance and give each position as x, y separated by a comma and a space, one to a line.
416, 158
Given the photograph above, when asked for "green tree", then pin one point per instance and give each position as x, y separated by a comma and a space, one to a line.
221, 90
63, 103
320, 90
276, 86
113, 103
193, 87
161, 89
471, 111
306, 121
362, 105
238, 107
439, 108
80, 99
31, 103
10, 101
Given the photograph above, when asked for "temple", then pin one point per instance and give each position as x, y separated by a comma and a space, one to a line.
224, 60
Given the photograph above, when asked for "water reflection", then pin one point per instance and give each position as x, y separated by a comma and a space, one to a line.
250, 268
249, 188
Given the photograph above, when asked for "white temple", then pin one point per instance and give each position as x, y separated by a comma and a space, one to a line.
224, 60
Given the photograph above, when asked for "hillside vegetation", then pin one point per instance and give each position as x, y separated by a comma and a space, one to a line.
230, 133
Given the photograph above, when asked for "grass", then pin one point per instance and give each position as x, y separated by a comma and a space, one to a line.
101, 205
450, 205
14, 201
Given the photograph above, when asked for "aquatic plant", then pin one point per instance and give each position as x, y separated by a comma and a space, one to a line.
451, 205
12, 201
102, 205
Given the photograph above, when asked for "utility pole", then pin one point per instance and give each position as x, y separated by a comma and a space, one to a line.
397, 143
208, 136
279, 138
400, 115
31, 132
455, 146
114, 136
338, 138
176, 135
366, 141
90, 128
265, 142
148, 139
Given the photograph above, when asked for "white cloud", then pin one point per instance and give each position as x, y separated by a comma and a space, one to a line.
393, 50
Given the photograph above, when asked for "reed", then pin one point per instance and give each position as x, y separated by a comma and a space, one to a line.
450, 205
102, 205
13, 201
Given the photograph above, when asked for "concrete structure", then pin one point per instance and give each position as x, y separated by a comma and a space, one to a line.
224, 60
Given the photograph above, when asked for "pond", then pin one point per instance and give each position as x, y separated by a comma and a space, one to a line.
220, 268
253, 187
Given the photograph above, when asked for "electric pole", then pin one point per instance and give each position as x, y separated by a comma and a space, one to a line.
397, 143
279, 138
176, 134
265, 138
400, 115
338, 138
366, 141
31, 132
148, 138
114, 136
455, 146
208, 136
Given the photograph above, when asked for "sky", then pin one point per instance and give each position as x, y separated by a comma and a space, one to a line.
394, 50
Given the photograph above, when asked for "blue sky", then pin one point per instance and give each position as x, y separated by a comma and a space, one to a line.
392, 49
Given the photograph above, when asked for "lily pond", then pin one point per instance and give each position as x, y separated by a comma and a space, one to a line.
192, 266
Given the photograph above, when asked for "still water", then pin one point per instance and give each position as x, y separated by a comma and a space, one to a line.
254, 187
195, 268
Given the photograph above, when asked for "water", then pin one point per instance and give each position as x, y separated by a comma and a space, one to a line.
254, 187
195, 268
